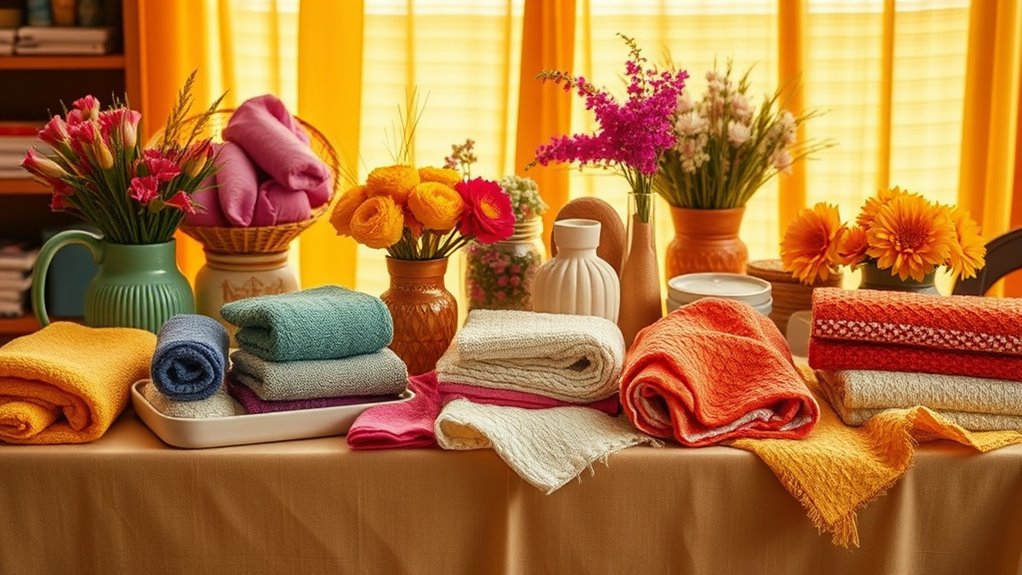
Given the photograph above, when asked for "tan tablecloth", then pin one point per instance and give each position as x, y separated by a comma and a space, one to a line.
130, 504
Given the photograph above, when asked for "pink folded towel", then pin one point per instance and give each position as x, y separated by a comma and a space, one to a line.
255, 404
238, 185
276, 205
210, 215
510, 398
257, 127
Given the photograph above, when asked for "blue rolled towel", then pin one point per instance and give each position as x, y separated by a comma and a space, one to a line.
328, 322
190, 360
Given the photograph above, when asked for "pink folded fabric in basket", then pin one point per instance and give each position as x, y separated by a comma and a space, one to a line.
276, 205
255, 404
274, 146
210, 214
238, 185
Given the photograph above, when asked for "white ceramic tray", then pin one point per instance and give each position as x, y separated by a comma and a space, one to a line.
251, 428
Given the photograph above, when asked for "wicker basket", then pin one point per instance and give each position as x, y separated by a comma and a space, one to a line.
268, 239
789, 295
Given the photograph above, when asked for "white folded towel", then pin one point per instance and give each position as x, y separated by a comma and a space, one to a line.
573, 358
220, 404
857, 389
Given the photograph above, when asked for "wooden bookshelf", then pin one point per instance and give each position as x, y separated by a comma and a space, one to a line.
22, 187
105, 62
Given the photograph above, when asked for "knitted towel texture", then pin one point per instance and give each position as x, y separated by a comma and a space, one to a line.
400, 425
328, 322
837, 469
974, 403
378, 373
220, 404
896, 331
715, 370
573, 358
252, 403
545, 447
66, 383
190, 360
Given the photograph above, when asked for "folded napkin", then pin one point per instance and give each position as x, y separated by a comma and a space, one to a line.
712, 371
66, 383
237, 185
252, 403
274, 146
379, 373
328, 322
191, 357
897, 331
276, 205
574, 358
401, 425
837, 470
220, 404
208, 197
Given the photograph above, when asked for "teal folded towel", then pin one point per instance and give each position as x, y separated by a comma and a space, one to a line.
378, 373
328, 322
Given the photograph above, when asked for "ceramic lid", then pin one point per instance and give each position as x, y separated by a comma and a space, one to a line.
690, 287
577, 234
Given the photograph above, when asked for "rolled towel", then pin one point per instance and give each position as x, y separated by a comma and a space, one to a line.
277, 205
379, 373
190, 361
896, 331
210, 214
66, 383
252, 403
573, 358
273, 146
220, 404
328, 322
237, 185
712, 371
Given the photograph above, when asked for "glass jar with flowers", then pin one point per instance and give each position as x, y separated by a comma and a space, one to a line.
135, 194
899, 239
421, 216
634, 134
727, 149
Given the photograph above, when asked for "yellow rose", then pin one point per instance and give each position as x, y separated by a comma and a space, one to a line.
346, 206
394, 181
445, 176
377, 223
436, 206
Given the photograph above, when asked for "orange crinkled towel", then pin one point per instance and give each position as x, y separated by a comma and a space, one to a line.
713, 371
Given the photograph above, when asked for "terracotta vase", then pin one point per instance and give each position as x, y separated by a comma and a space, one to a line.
641, 304
425, 313
875, 278
706, 241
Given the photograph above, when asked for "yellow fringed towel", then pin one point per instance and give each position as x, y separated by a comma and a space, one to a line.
838, 470
66, 383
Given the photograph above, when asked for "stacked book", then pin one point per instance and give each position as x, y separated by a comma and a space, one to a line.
15, 140
7, 40
16, 261
40, 40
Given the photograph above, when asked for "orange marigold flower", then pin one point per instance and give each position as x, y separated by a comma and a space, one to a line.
394, 181
910, 236
378, 222
445, 176
346, 206
969, 252
436, 206
873, 205
852, 251
809, 250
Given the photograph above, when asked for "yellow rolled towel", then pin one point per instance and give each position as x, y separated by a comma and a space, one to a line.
66, 383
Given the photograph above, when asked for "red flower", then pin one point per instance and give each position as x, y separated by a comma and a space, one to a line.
488, 215
120, 125
87, 106
160, 166
54, 132
181, 201
144, 189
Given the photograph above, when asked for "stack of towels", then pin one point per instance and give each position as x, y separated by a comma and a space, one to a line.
16, 261
540, 389
267, 173
321, 347
960, 356
188, 369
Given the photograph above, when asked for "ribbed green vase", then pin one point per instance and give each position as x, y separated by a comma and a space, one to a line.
137, 285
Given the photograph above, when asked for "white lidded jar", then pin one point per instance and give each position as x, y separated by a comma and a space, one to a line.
577, 281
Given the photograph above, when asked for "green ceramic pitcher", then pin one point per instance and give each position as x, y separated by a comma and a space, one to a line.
137, 285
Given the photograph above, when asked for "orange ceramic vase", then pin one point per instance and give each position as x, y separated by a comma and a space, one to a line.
706, 241
641, 303
425, 313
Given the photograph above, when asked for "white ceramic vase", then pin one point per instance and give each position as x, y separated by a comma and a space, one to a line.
577, 281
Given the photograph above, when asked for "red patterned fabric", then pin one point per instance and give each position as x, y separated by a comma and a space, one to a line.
898, 331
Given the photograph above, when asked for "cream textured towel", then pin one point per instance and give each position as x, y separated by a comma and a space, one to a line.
963, 419
378, 373
573, 358
220, 404
546, 447
858, 389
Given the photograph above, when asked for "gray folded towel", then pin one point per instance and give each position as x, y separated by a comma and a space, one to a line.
379, 373
220, 404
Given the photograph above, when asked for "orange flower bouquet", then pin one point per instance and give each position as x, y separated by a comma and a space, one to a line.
896, 231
